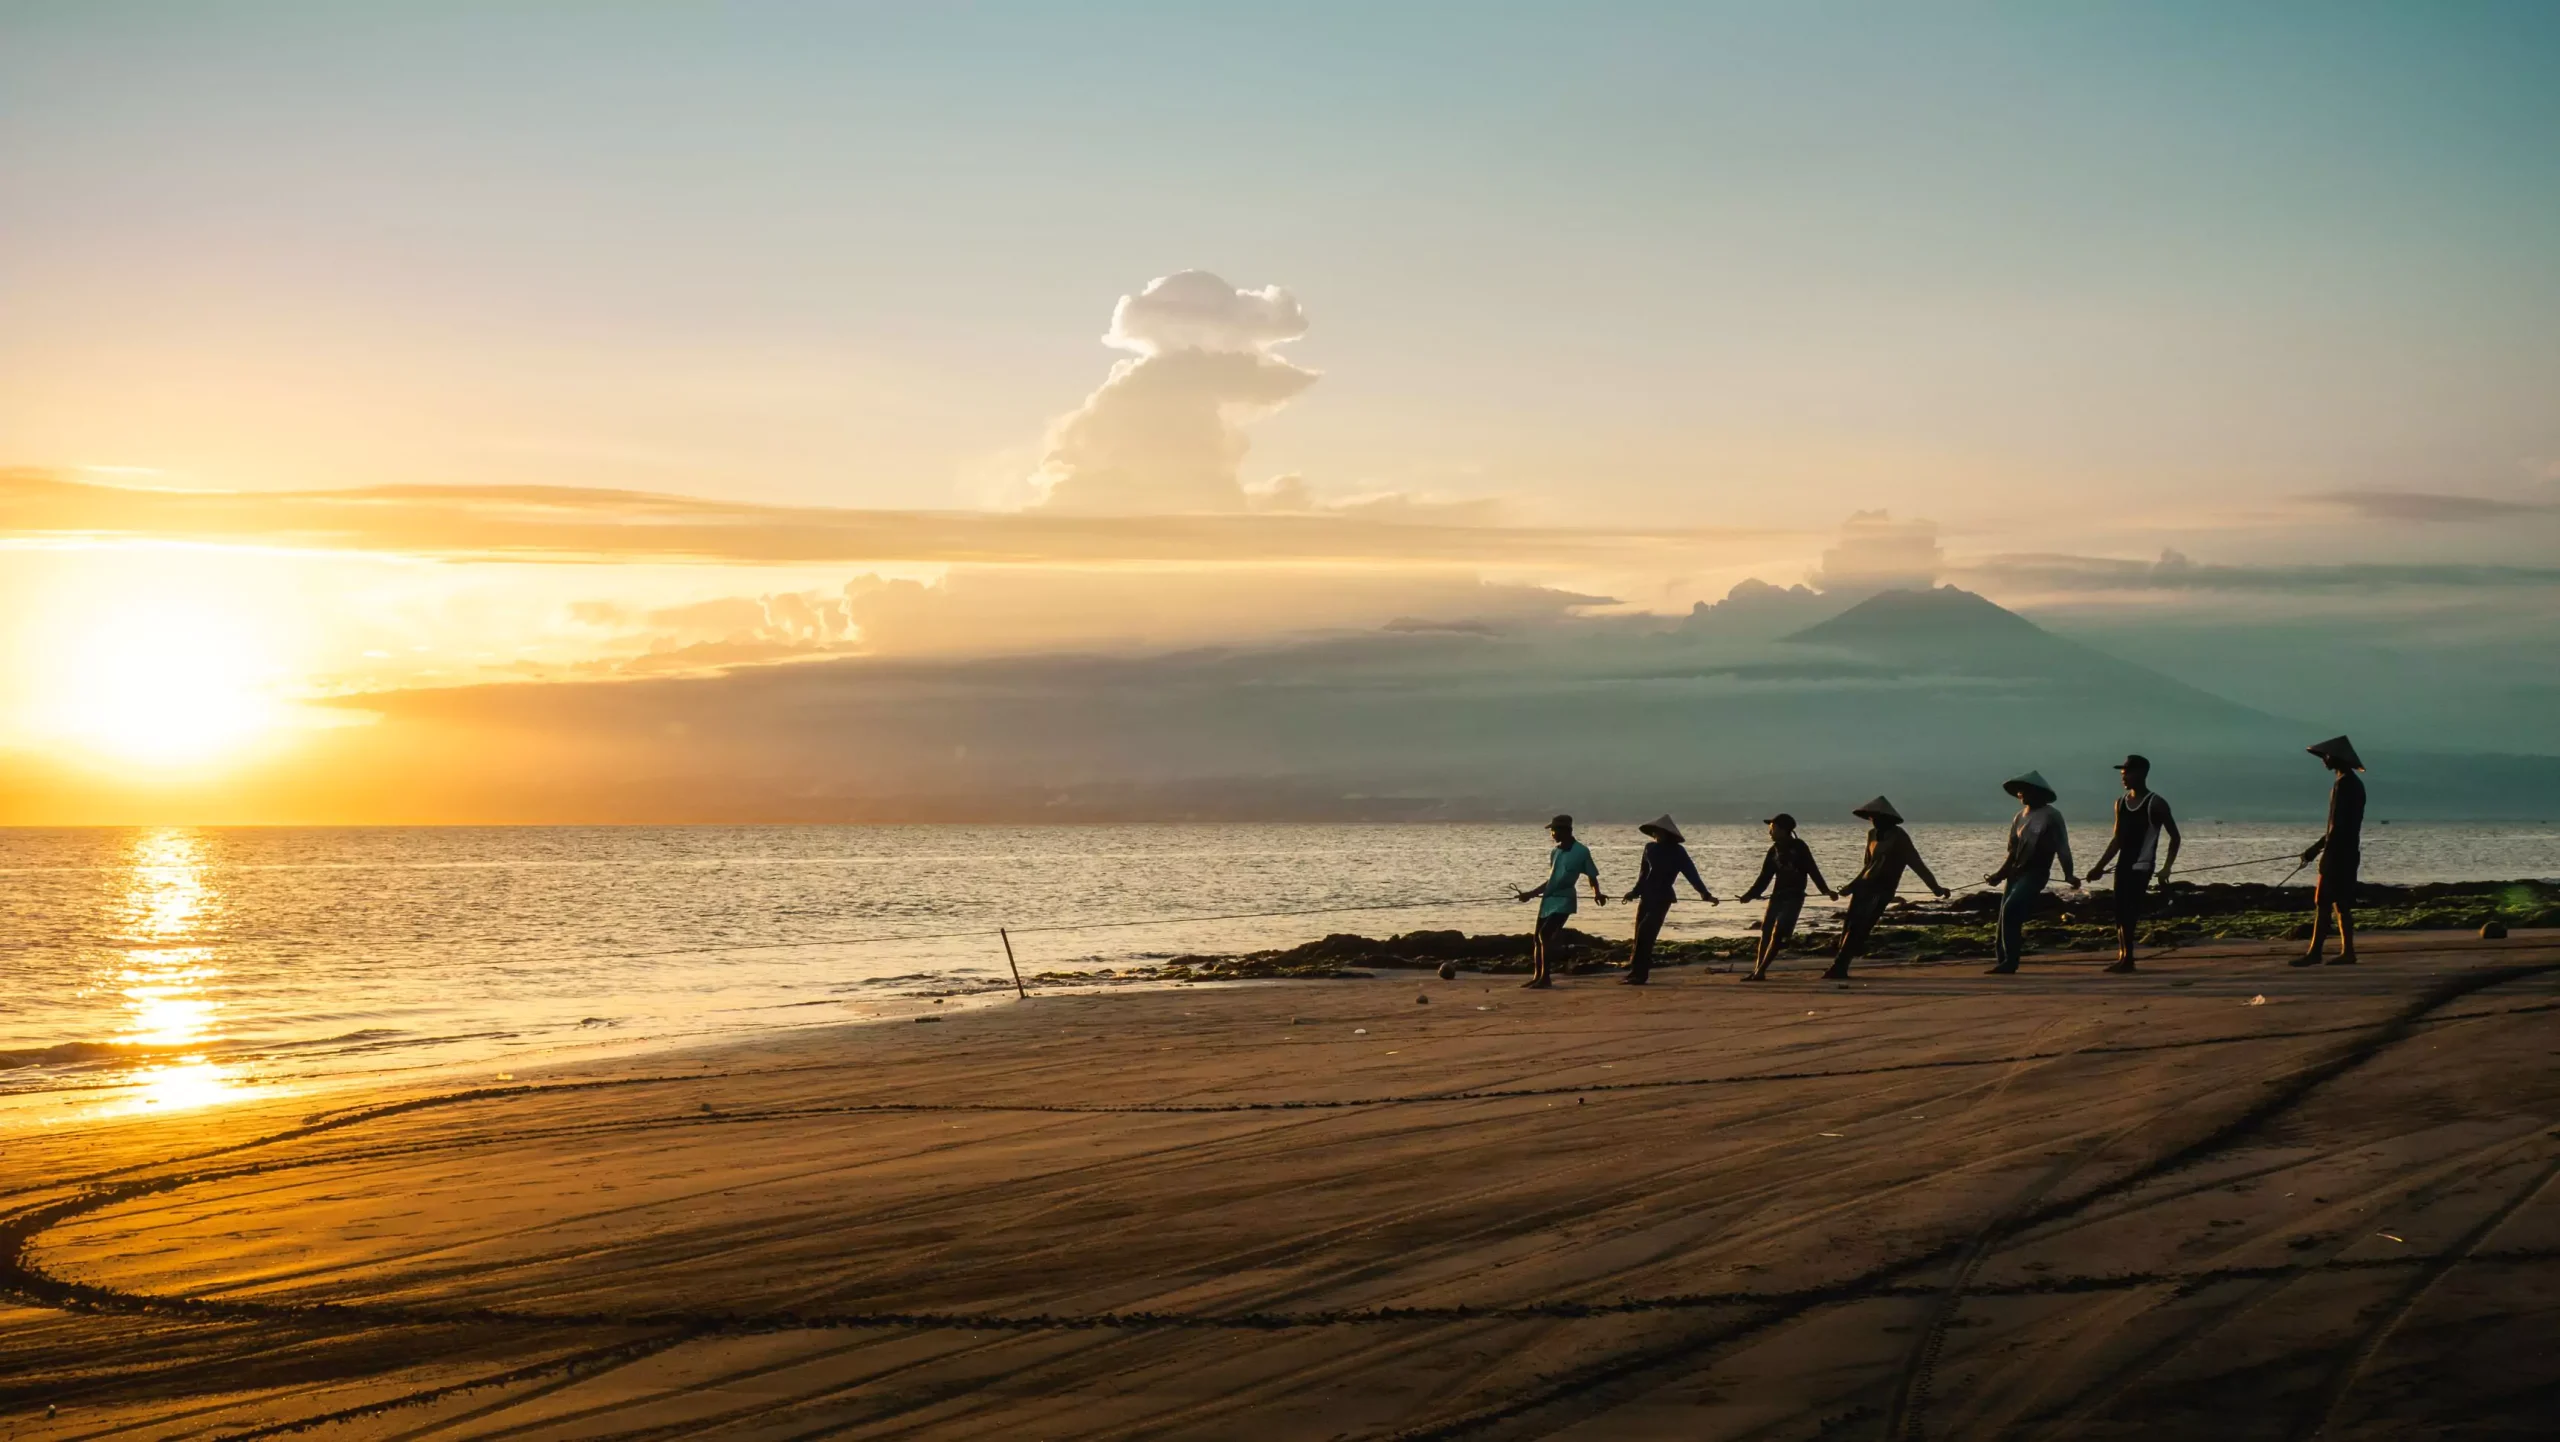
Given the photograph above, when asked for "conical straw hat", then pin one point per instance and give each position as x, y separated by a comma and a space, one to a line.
1879, 810
2018, 785
1664, 827
2339, 749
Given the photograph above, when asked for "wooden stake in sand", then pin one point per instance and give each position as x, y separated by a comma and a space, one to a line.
1008, 961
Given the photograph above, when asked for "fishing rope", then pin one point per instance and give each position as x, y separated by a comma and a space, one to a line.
2227, 865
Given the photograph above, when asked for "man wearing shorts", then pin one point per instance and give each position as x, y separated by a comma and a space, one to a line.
1569, 861
2142, 817
1783, 873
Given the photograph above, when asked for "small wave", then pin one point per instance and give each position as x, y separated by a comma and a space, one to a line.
85, 1053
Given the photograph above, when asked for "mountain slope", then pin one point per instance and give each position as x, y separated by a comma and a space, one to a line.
1931, 697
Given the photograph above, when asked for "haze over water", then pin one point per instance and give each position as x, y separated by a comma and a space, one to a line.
173, 968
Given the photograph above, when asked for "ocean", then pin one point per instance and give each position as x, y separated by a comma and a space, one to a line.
155, 970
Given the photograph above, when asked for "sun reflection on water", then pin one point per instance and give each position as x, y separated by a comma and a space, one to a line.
167, 977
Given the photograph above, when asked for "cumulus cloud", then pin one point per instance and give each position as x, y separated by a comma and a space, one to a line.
1165, 431
1195, 310
1878, 553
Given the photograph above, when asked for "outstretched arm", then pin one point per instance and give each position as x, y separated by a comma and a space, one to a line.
1921, 868
2008, 862
1813, 868
2169, 823
1644, 872
1768, 869
2099, 871
1591, 869
1689, 869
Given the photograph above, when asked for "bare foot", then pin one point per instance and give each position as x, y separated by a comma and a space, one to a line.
2341, 961
2122, 966
2007, 970
1536, 983
2308, 958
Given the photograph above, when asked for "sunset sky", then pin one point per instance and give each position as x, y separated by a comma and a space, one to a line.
566, 345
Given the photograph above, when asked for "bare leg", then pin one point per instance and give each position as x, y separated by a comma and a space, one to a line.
2346, 931
2319, 925
1776, 926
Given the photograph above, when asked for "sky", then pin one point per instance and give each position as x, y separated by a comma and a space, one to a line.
566, 344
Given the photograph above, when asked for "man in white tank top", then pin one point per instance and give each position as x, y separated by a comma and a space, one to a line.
2142, 818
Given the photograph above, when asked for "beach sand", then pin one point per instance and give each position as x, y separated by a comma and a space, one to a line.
1927, 1203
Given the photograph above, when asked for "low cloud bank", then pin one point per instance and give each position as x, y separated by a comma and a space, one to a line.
2428, 507
521, 523
1029, 612
2173, 571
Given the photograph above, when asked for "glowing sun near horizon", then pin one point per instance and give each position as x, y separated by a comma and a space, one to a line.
158, 683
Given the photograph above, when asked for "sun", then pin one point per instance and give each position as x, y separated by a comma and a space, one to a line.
159, 684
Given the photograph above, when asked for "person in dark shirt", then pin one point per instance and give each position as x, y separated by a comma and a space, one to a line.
1783, 873
1666, 860
1889, 853
2142, 818
2340, 850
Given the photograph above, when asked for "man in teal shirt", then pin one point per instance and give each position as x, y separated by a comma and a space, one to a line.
1570, 859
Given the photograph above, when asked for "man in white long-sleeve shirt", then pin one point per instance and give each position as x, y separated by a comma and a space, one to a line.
2037, 838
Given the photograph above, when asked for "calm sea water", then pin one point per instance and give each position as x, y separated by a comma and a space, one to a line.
168, 969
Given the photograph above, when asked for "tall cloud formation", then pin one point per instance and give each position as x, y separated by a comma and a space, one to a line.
1164, 433
1878, 553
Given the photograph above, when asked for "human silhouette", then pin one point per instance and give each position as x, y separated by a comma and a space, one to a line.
2142, 818
1666, 860
1569, 861
2340, 850
1889, 851
1783, 873
2037, 838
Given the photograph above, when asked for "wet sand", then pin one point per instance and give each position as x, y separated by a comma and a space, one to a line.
1926, 1204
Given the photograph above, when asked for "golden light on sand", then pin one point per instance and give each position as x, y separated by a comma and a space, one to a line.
159, 684
176, 1086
